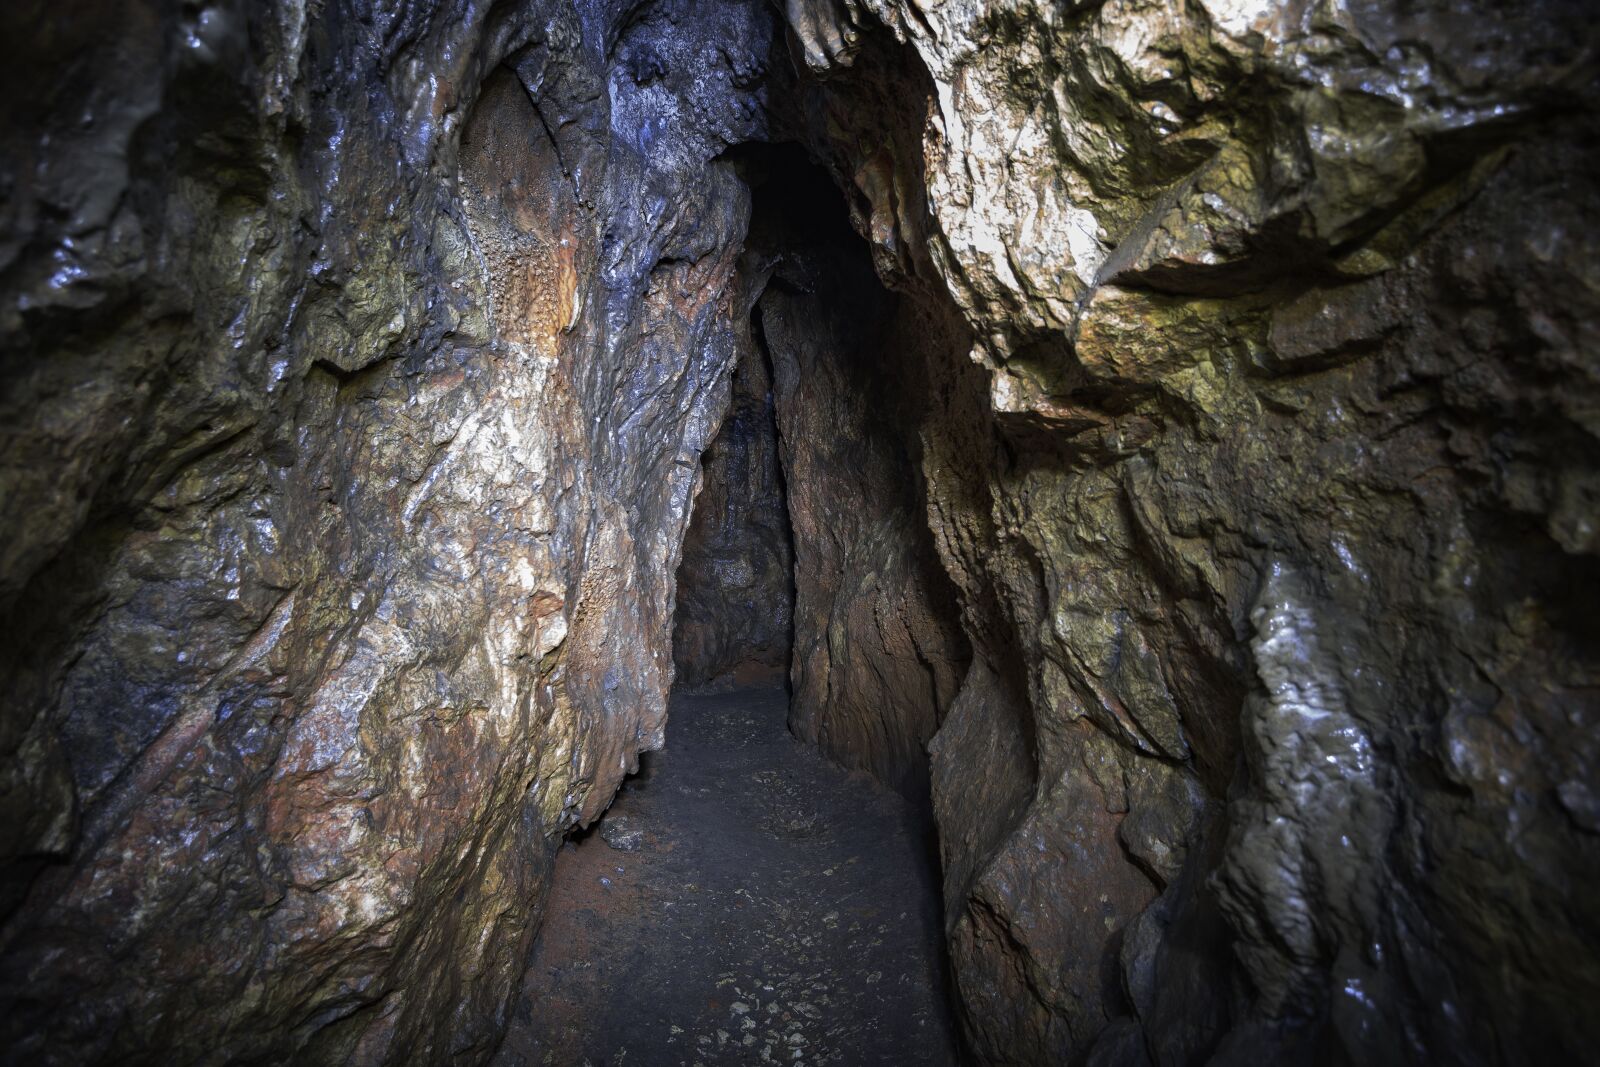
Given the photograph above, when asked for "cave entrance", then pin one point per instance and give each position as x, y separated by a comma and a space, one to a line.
746, 899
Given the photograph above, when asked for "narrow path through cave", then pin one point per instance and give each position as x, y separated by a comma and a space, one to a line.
743, 901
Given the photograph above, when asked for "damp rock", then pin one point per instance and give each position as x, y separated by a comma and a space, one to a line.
621, 833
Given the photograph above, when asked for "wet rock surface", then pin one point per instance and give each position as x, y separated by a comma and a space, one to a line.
357, 360
1257, 438
1207, 482
778, 910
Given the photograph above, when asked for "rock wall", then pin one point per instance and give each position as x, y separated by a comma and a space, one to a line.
877, 649
1269, 491
735, 610
357, 359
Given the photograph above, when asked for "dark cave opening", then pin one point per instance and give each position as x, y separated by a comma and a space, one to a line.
734, 622
808, 560
733, 625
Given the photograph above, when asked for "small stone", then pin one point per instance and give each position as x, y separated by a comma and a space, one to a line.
620, 833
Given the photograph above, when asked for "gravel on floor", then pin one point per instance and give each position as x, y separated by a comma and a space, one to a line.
749, 902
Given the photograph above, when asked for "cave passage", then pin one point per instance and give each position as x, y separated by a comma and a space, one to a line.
745, 899
734, 620
1157, 445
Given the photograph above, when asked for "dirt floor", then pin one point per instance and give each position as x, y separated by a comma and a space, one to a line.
743, 902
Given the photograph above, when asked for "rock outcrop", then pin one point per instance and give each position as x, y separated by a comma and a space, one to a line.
357, 363
1269, 493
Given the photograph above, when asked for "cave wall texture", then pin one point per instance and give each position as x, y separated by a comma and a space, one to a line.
1213, 492
358, 358
734, 618
1270, 493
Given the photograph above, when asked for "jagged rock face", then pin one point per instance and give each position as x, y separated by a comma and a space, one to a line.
357, 362
1238, 375
734, 620
877, 650
1270, 496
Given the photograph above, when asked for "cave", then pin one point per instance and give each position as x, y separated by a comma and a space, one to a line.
734, 607
737, 531
739, 852
808, 523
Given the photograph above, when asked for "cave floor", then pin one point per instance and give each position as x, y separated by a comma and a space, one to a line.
744, 901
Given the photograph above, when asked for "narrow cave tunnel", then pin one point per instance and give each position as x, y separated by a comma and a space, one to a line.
810, 498
738, 854
734, 620
807, 531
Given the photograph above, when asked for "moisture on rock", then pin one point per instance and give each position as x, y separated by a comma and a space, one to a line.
357, 361
1258, 442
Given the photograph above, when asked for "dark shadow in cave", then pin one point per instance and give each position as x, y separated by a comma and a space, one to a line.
734, 622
